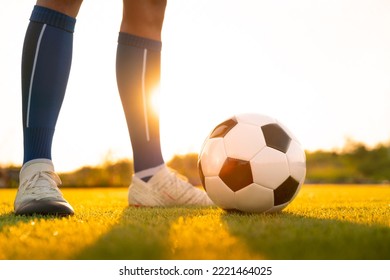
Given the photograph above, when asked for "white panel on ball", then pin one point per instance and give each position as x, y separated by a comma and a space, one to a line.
270, 168
213, 156
254, 198
244, 141
219, 193
297, 161
255, 119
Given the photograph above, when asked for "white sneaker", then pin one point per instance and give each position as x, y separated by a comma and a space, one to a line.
38, 191
166, 188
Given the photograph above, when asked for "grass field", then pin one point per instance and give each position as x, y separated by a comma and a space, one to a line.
323, 222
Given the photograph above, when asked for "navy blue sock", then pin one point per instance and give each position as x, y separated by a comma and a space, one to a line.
138, 74
46, 61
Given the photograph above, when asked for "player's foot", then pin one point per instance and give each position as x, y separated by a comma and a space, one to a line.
38, 191
166, 188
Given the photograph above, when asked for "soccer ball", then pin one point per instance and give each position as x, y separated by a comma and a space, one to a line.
252, 163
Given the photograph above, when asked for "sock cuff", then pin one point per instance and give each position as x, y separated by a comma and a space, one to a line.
53, 18
149, 172
139, 42
37, 143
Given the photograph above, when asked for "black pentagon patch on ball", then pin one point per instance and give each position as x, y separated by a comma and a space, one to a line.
275, 137
201, 175
236, 173
223, 128
285, 192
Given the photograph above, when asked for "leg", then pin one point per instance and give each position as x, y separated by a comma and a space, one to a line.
143, 18
138, 73
46, 61
68, 7
138, 76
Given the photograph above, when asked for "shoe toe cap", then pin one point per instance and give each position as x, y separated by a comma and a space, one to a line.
55, 208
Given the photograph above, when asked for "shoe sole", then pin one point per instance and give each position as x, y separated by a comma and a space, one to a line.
54, 208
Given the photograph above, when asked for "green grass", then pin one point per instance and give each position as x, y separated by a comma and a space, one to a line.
323, 222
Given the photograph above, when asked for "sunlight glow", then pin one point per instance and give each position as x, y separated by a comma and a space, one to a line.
299, 62
155, 100
214, 242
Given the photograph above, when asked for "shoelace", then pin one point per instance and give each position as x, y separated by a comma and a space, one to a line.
30, 188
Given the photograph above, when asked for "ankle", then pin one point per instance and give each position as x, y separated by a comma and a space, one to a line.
146, 174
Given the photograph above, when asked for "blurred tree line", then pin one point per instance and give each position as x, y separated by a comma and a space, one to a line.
108, 174
355, 163
117, 174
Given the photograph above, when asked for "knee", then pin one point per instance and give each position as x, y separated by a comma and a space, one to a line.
68, 7
143, 17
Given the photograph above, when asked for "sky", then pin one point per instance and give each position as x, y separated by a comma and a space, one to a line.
321, 67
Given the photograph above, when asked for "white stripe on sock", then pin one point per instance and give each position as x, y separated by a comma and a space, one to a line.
144, 95
33, 73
